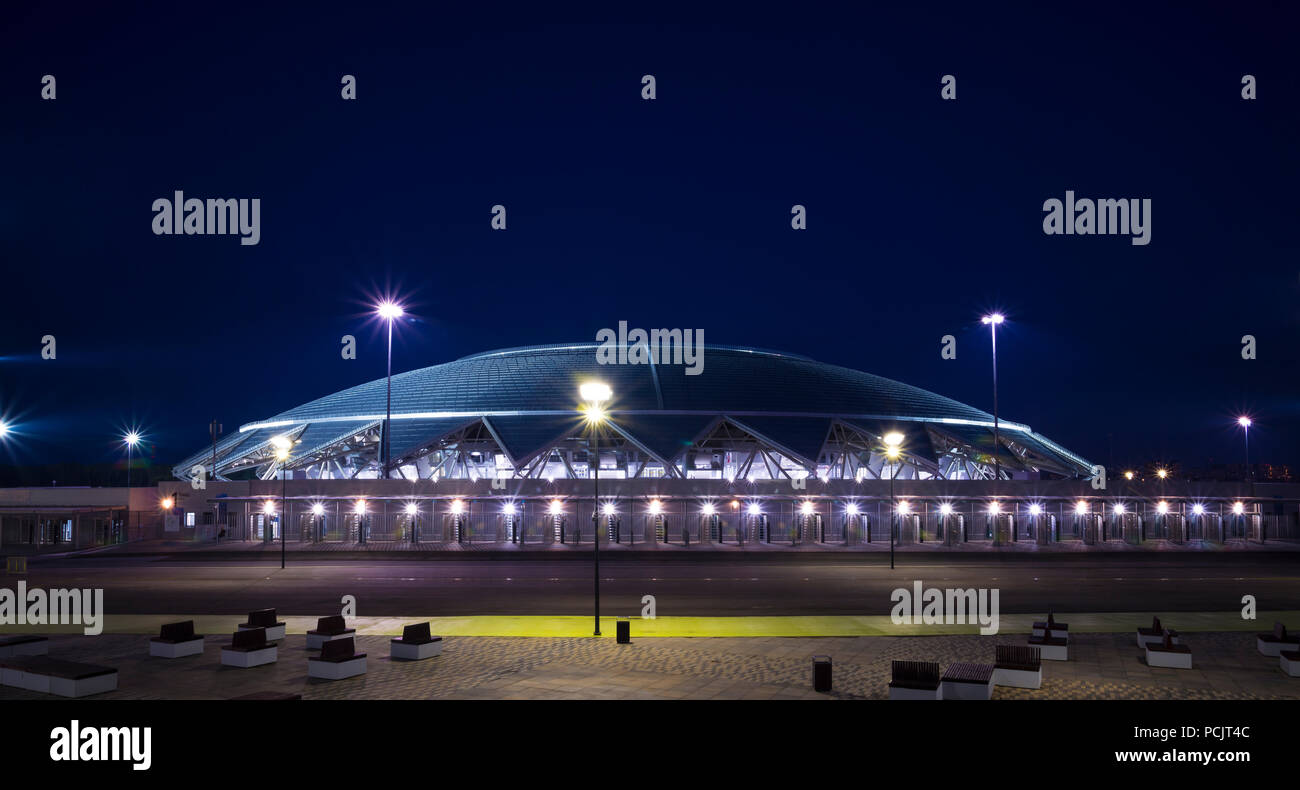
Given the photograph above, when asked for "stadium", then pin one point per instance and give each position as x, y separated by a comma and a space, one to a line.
752, 415
763, 446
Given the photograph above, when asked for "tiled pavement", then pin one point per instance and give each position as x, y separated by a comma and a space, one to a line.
1102, 666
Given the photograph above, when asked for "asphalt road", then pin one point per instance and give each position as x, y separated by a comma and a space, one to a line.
794, 586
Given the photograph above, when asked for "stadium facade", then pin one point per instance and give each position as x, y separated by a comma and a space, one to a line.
761, 446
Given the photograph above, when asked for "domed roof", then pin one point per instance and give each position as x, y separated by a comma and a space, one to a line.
545, 379
529, 396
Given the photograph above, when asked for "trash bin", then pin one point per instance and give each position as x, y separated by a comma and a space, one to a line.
822, 673
623, 631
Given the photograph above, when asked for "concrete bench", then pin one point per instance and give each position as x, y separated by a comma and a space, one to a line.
176, 640
1018, 666
14, 646
327, 630
338, 659
1051, 648
1153, 635
265, 619
1167, 654
1290, 661
915, 680
63, 678
249, 648
968, 681
1277, 642
415, 643
1051, 628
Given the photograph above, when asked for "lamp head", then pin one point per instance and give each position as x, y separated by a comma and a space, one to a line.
595, 392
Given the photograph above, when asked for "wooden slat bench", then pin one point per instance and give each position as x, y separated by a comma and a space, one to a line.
265, 619
1274, 643
1153, 635
1051, 648
51, 676
328, 629
176, 640
249, 648
1052, 628
1290, 662
13, 646
1018, 666
915, 680
965, 680
338, 659
415, 643
1168, 654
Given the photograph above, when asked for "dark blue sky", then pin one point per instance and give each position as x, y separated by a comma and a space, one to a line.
673, 213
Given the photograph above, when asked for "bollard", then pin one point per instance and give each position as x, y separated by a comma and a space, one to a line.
623, 630
822, 673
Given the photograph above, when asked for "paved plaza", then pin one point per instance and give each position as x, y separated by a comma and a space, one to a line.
1102, 666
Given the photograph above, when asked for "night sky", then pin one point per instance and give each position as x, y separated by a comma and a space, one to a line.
922, 213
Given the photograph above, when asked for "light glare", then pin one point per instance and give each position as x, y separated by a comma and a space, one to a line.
595, 391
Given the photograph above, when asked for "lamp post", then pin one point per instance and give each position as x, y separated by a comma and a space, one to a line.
318, 516
893, 441
131, 439
282, 445
993, 319
594, 393
389, 311
1245, 423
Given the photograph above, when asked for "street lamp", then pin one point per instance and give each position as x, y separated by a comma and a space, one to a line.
131, 439
1245, 423
360, 510
893, 440
992, 320
389, 311
282, 445
412, 511
318, 511
594, 393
